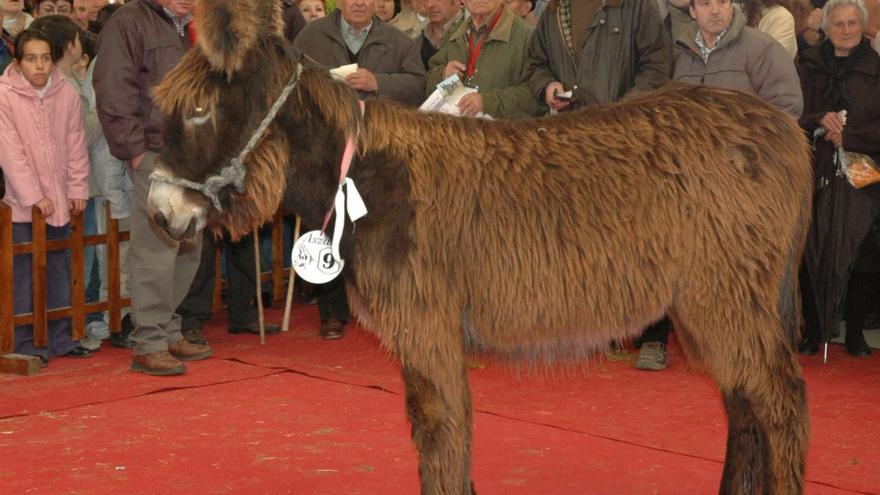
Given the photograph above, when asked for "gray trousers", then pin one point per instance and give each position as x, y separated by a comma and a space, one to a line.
160, 271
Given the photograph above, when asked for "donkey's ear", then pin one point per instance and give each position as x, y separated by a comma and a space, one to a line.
228, 29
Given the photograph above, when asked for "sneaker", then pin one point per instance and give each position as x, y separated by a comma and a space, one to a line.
185, 350
98, 330
160, 363
652, 356
93, 345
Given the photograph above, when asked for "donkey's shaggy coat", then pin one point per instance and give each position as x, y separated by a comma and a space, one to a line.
534, 238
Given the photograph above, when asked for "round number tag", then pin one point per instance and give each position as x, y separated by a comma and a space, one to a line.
312, 258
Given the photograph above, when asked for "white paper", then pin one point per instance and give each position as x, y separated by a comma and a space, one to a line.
446, 96
344, 71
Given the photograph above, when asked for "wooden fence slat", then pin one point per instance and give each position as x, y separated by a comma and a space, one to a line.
7, 297
77, 278
38, 259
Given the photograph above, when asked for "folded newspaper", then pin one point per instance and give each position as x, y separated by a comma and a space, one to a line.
445, 98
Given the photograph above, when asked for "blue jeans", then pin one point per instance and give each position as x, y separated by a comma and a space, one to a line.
57, 293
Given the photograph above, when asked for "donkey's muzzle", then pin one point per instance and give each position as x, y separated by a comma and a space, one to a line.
172, 209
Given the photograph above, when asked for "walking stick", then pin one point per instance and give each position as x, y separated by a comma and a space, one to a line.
290, 280
259, 286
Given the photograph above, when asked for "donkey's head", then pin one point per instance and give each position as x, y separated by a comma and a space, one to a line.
212, 103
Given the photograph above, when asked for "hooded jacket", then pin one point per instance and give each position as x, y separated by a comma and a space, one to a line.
42, 146
744, 59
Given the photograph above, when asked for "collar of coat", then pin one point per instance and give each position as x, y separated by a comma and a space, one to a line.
17, 83
554, 4
500, 33
863, 58
330, 27
737, 25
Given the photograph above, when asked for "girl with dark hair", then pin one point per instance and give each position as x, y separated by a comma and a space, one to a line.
46, 167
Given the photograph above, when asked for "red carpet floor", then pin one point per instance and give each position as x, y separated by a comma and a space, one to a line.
305, 416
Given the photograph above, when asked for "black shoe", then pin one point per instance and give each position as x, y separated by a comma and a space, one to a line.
121, 339
194, 336
332, 329
79, 352
254, 329
44, 361
858, 348
809, 347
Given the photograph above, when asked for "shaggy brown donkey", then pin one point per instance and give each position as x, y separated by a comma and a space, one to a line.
539, 239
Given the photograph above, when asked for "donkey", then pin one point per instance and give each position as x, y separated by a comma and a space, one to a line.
536, 238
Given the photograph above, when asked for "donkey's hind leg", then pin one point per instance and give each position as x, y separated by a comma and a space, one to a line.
438, 404
756, 369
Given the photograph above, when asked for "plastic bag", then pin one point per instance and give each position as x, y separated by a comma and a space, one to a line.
860, 170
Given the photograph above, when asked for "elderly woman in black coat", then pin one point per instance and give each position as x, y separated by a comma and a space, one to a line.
842, 256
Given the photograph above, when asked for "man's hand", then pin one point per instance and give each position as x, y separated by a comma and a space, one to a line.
454, 67
363, 80
832, 122
835, 137
46, 207
550, 96
77, 206
136, 161
471, 104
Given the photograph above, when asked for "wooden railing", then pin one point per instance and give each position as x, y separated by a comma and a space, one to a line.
78, 309
38, 248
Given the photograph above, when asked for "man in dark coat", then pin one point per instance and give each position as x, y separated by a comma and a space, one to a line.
141, 42
841, 73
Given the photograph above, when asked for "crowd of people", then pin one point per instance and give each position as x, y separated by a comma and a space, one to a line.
78, 129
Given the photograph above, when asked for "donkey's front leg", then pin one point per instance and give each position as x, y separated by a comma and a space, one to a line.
438, 403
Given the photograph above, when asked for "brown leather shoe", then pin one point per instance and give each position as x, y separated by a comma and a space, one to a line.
157, 363
332, 329
187, 351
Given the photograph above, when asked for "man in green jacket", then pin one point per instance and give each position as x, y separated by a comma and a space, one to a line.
488, 52
600, 50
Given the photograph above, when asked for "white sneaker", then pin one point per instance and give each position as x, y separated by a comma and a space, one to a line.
98, 330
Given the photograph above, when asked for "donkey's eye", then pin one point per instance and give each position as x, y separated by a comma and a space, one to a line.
199, 116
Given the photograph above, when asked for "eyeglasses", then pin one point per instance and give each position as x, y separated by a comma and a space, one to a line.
48, 8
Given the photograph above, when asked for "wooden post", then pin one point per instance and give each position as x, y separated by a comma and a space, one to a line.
291, 278
7, 307
259, 272
114, 284
38, 264
77, 284
277, 256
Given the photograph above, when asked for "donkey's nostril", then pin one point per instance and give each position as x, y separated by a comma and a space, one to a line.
190, 229
160, 220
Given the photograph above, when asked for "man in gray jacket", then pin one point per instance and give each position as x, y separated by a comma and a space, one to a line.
720, 50
389, 62
141, 42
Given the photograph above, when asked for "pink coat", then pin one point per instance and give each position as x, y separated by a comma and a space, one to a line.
42, 146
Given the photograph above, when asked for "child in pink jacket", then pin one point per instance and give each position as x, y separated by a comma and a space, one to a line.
45, 166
